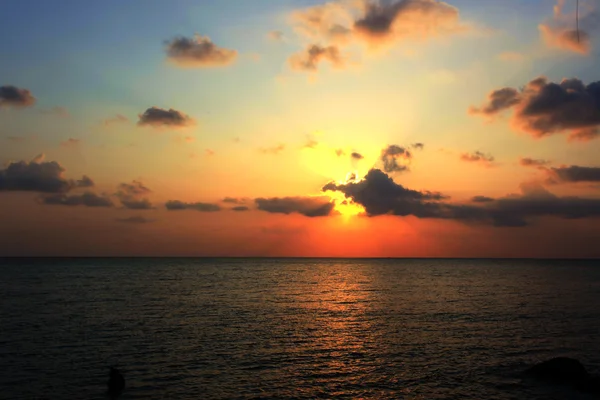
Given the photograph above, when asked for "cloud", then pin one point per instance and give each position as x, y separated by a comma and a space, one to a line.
88, 199
398, 20
544, 108
12, 96
380, 195
131, 195
307, 206
573, 174
481, 199
85, 182
339, 152
209, 152
272, 150
356, 156
276, 36
38, 176
311, 143
240, 208
478, 157
135, 220
393, 156
198, 51
531, 162
158, 117
498, 100
176, 205
117, 119
70, 143
235, 200
310, 58
417, 146
560, 32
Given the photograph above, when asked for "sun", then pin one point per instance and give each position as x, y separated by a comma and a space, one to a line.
346, 207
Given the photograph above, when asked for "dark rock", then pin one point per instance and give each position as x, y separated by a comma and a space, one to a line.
116, 383
565, 371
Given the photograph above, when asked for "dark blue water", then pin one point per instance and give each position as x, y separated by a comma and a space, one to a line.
302, 329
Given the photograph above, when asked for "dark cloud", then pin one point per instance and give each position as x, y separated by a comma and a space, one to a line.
37, 176
199, 51
307, 206
88, 199
574, 174
11, 96
392, 156
175, 205
380, 195
357, 156
384, 20
418, 146
85, 182
481, 199
498, 100
272, 150
309, 59
543, 108
135, 220
131, 195
240, 208
235, 200
158, 117
530, 162
478, 157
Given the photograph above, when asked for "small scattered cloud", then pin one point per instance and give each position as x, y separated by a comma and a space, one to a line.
159, 118
240, 208
71, 143
199, 52
117, 119
87, 199
531, 162
356, 156
132, 195
417, 146
12, 96
340, 152
310, 58
395, 158
176, 205
276, 36
560, 33
235, 200
307, 206
209, 152
311, 142
482, 199
272, 150
544, 108
478, 157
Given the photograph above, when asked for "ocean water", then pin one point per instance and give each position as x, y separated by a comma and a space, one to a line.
293, 328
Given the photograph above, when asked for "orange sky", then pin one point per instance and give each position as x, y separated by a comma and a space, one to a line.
310, 128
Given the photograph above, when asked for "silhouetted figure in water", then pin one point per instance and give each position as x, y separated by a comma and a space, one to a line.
566, 371
116, 383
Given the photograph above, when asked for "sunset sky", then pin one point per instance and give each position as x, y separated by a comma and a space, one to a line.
398, 128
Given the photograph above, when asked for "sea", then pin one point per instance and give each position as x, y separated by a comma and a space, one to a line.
185, 328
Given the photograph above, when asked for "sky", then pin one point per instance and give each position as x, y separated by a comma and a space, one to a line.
354, 128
